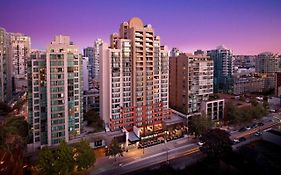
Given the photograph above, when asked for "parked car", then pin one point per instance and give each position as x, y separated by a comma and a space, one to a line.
260, 124
248, 127
254, 125
258, 133
242, 129
200, 143
242, 139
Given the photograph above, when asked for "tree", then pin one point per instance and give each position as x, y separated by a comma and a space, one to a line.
200, 124
4, 109
94, 120
84, 155
233, 115
13, 131
254, 102
114, 149
265, 102
64, 162
45, 161
217, 143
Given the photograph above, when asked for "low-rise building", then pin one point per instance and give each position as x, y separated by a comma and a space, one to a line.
244, 85
213, 109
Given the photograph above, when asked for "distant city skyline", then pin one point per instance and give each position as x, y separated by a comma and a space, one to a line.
246, 27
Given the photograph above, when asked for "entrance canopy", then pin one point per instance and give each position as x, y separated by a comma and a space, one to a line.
133, 138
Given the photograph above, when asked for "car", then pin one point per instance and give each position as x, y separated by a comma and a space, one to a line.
258, 133
242, 129
248, 127
242, 139
200, 143
260, 124
254, 125
236, 140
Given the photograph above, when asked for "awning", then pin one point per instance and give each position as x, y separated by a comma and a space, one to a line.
133, 138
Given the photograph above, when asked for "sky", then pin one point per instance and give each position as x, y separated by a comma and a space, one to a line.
245, 26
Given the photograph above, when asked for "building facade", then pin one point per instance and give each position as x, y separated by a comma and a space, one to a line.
97, 56
213, 109
134, 79
37, 98
223, 69
89, 53
267, 62
55, 93
191, 82
21, 48
5, 67
278, 84
86, 78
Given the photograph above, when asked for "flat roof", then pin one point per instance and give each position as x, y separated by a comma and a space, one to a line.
175, 118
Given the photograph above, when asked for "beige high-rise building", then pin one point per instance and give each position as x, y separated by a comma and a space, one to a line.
134, 73
21, 48
191, 82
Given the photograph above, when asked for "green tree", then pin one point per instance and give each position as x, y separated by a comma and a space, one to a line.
45, 161
217, 143
84, 155
94, 120
4, 109
64, 162
114, 149
265, 102
13, 141
233, 115
254, 102
200, 124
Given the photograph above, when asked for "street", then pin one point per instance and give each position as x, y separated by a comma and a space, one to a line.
184, 147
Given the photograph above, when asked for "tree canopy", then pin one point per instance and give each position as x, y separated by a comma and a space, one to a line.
114, 149
83, 155
45, 161
66, 159
200, 124
94, 120
217, 143
239, 115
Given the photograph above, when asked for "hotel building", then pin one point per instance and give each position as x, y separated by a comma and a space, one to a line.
134, 79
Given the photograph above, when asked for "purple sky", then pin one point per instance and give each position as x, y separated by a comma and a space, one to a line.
246, 26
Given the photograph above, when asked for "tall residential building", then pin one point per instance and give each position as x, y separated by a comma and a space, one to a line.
55, 91
267, 62
21, 47
89, 52
97, 57
5, 67
134, 79
37, 98
223, 69
86, 67
191, 82
174, 52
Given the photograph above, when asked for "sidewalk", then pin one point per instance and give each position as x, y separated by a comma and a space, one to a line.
105, 163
